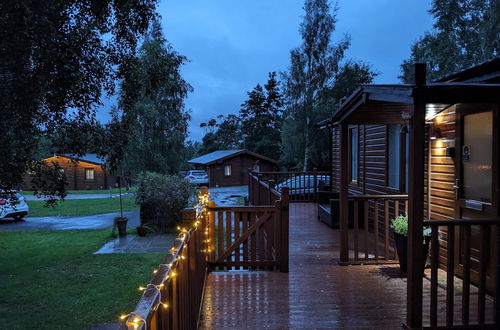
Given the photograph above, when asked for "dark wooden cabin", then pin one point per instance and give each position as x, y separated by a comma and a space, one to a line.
431, 149
86, 172
230, 167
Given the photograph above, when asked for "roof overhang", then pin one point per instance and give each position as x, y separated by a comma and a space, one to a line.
234, 155
384, 104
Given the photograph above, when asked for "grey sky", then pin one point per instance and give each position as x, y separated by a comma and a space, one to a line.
232, 45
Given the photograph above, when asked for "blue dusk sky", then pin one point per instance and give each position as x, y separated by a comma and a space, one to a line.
232, 45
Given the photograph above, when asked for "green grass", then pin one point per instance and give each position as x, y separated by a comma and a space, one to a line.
81, 207
87, 192
51, 279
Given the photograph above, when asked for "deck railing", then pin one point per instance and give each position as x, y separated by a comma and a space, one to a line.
172, 299
366, 237
264, 187
477, 264
211, 237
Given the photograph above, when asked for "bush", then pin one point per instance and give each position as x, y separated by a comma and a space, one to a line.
162, 198
400, 225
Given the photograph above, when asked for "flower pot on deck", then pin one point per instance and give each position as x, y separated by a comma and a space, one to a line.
401, 242
121, 224
141, 231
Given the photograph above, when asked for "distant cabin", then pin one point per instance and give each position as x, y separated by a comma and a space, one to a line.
86, 172
230, 167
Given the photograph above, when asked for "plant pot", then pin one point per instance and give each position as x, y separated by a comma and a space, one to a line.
121, 224
401, 242
141, 231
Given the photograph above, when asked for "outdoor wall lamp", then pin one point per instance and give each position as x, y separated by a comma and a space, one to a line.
435, 132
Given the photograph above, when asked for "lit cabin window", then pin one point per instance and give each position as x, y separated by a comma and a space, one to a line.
89, 174
394, 156
354, 146
227, 170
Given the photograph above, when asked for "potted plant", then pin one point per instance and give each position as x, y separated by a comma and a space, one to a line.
399, 227
143, 229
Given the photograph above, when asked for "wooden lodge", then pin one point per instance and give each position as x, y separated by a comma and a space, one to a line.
430, 149
231, 167
86, 172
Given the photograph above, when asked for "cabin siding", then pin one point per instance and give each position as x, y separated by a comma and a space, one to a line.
75, 175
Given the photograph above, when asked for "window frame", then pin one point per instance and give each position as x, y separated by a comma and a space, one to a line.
351, 129
403, 164
87, 170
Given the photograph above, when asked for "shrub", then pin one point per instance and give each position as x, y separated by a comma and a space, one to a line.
162, 198
400, 225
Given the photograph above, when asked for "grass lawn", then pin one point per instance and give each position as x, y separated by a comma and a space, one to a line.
51, 279
88, 192
81, 207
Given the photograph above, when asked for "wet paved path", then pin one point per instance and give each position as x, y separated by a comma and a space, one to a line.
95, 221
316, 293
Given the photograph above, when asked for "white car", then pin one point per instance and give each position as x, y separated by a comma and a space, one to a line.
197, 177
13, 205
303, 184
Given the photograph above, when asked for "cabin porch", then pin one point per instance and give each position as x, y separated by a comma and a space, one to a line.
317, 292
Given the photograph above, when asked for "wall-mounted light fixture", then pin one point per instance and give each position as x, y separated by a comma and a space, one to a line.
434, 132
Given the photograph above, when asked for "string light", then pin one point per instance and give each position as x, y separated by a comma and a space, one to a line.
201, 210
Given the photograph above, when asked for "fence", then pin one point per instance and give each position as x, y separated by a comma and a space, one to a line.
173, 298
264, 187
477, 265
369, 239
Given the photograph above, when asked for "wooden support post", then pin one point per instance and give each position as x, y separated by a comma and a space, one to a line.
344, 195
284, 230
270, 194
416, 201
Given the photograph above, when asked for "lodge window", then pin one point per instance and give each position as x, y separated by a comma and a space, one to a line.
397, 158
89, 174
227, 170
353, 154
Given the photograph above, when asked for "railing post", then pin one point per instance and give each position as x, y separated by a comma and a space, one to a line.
270, 194
259, 189
344, 195
416, 201
284, 230
250, 184
211, 233
315, 174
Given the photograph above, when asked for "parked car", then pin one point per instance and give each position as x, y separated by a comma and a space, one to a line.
303, 184
197, 177
13, 205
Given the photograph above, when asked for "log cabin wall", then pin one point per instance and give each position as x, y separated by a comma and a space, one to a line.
75, 175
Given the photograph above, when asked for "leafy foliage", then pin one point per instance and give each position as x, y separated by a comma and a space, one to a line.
149, 128
318, 77
465, 33
261, 118
58, 55
221, 133
166, 194
400, 224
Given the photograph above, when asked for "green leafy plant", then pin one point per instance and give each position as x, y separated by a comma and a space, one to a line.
162, 198
400, 225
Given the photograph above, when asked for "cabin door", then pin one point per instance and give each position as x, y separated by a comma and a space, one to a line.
476, 186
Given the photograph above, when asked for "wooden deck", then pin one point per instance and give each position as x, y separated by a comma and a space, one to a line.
316, 293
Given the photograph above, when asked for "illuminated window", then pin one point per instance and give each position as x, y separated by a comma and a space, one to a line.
227, 170
89, 174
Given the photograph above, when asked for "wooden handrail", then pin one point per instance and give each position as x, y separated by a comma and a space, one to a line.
241, 208
485, 221
378, 196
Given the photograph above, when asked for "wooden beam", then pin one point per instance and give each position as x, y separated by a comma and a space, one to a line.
344, 194
416, 205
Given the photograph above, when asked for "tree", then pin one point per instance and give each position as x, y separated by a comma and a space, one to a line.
221, 133
317, 68
465, 33
54, 56
151, 122
261, 118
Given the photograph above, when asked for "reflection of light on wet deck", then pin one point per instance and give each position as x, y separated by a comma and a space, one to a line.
317, 292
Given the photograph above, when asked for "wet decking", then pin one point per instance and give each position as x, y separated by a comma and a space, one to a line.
316, 293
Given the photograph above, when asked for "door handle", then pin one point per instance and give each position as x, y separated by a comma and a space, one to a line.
456, 187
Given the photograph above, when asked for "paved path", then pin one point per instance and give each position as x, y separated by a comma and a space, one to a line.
96, 221
228, 195
136, 244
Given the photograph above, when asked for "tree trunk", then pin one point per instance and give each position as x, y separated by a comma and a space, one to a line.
307, 145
